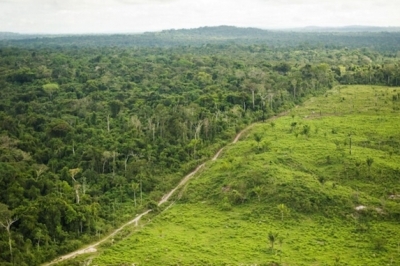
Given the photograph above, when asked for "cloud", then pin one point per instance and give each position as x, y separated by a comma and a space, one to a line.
142, 2
84, 16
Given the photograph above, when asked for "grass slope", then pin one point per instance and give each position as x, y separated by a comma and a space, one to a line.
292, 179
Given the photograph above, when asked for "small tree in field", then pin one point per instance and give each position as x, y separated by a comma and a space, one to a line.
284, 210
306, 130
369, 162
272, 237
258, 190
258, 138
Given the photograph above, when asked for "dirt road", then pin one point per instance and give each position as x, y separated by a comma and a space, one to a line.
165, 198
92, 247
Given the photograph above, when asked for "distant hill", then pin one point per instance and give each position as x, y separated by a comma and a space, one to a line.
15, 36
220, 31
9, 35
354, 28
351, 37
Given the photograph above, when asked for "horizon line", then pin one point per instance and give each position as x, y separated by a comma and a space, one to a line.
310, 27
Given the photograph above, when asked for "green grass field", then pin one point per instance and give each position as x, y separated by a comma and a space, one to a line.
297, 179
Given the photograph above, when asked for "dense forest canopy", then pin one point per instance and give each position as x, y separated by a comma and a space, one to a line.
94, 129
385, 39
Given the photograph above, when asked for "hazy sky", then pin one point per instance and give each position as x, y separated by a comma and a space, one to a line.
114, 16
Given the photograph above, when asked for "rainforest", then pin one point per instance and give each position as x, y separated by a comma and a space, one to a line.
94, 130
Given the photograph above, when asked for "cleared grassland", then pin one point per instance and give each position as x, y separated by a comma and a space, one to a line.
321, 162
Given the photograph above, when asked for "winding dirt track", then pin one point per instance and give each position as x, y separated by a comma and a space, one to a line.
92, 247
165, 198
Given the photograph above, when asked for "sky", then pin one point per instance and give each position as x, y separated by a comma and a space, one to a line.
133, 16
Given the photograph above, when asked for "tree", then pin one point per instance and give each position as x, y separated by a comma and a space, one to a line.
135, 188
270, 96
256, 77
73, 173
369, 162
237, 196
6, 220
258, 190
115, 107
107, 155
293, 82
350, 143
38, 235
39, 170
258, 138
136, 124
192, 144
272, 237
264, 94
59, 128
280, 241
252, 87
50, 88
284, 210
204, 78
126, 160
283, 67
306, 130
198, 129
293, 125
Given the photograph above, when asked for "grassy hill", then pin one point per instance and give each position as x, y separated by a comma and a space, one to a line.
319, 186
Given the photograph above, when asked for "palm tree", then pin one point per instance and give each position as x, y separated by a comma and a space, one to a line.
258, 138
272, 237
369, 162
283, 209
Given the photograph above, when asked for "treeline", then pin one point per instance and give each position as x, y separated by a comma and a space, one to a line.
384, 41
91, 136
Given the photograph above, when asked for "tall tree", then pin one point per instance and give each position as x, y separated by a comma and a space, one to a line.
6, 220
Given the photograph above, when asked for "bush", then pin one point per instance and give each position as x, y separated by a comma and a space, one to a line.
152, 205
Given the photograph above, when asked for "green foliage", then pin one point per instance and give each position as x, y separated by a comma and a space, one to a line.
50, 88
5, 213
381, 39
137, 119
343, 220
379, 243
115, 107
133, 125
